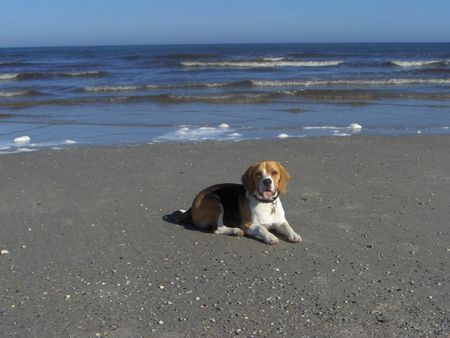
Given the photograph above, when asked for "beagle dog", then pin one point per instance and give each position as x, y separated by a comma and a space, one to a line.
251, 208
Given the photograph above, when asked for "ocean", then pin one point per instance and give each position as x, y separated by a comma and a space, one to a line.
114, 95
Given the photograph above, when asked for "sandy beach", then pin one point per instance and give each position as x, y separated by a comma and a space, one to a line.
89, 254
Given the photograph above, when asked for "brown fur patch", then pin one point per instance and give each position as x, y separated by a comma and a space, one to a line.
284, 178
205, 211
246, 215
248, 180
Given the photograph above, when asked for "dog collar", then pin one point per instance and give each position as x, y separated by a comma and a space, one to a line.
273, 200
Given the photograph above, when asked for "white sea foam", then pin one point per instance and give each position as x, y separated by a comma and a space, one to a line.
85, 73
199, 134
292, 83
70, 142
110, 88
23, 144
353, 127
16, 150
224, 126
422, 63
21, 140
340, 134
261, 64
283, 135
273, 58
8, 76
14, 93
119, 88
24, 150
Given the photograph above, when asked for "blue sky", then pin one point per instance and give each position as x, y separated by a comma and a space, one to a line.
106, 22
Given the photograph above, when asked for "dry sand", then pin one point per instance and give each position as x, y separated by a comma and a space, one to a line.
90, 255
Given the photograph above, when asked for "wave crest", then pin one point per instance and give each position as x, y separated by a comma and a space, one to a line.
87, 73
269, 83
261, 64
293, 83
12, 93
404, 63
8, 76
119, 88
111, 88
48, 75
262, 97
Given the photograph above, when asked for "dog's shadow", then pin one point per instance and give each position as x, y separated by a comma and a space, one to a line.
169, 218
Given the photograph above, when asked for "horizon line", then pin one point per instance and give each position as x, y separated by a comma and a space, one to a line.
222, 43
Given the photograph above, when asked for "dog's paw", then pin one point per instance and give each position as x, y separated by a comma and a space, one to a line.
294, 238
271, 239
239, 232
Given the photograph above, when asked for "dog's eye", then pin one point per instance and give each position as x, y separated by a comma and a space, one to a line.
259, 174
274, 172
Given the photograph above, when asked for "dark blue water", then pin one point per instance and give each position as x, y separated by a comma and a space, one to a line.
147, 94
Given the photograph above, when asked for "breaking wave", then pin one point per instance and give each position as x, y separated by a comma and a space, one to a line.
267, 83
291, 83
318, 95
112, 88
8, 76
12, 93
403, 63
49, 75
120, 88
84, 74
261, 64
236, 98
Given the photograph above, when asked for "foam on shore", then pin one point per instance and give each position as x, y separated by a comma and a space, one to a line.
222, 132
22, 140
23, 144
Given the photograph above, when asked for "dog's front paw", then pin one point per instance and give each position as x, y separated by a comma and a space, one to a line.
271, 239
294, 238
239, 232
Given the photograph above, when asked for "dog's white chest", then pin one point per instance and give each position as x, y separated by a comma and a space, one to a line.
267, 214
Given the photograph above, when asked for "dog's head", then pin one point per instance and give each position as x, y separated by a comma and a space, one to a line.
265, 180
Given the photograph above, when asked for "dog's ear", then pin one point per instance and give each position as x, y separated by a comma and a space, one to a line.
284, 178
247, 180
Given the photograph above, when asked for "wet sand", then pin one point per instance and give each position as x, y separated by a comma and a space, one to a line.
90, 253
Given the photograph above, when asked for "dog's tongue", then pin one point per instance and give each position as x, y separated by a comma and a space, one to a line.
267, 194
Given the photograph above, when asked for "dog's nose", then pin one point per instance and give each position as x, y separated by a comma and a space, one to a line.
267, 181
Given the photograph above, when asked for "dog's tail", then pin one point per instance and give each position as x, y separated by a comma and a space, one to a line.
179, 216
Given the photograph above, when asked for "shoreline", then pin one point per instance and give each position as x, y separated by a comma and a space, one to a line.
69, 145
90, 253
